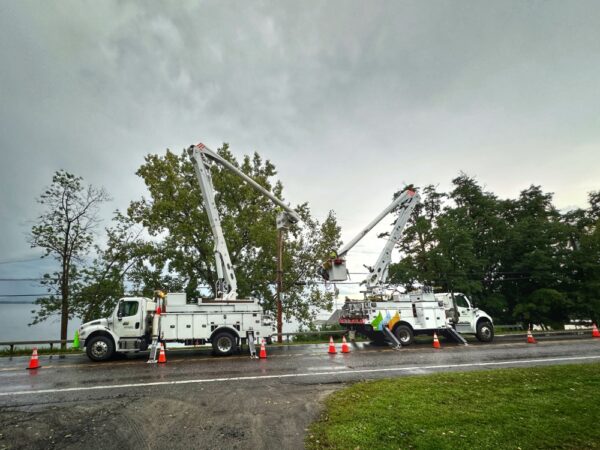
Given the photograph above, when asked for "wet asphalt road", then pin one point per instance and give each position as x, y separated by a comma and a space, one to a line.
199, 401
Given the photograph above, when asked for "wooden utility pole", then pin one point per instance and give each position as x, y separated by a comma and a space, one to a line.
279, 284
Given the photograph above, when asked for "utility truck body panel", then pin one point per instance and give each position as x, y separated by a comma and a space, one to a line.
420, 312
135, 322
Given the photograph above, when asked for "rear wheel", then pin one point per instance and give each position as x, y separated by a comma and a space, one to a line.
99, 348
224, 343
404, 334
485, 331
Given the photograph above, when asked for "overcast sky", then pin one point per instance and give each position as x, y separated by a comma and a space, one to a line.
350, 100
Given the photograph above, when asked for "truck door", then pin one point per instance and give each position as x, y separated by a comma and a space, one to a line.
128, 318
465, 311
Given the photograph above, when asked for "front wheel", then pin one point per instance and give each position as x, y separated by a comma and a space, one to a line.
224, 343
404, 334
485, 331
99, 348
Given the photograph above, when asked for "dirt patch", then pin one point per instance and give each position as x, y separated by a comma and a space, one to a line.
234, 416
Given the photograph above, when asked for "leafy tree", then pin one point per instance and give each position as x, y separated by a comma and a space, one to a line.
544, 306
65, 230
104, 281
584, 266
418, 242
441, 244
519, 259
477, 212
182, 245
454, 258
535, 251
586, 277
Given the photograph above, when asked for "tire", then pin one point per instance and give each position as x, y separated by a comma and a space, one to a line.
100, 348
404, 334
485, 331
224, 343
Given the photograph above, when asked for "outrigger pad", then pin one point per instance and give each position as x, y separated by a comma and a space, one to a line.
392, 338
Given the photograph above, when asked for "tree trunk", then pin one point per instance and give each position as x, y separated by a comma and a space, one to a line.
64, 322
64, 316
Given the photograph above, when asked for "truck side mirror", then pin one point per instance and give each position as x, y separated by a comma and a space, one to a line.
120, 311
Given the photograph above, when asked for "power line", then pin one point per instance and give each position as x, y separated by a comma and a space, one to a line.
21, 279
22, 295
14, 261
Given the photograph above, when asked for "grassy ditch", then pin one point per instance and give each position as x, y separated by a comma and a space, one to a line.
41, 351
538, 407
318, 340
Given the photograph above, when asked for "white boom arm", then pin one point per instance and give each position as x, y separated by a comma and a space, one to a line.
200, 154
406, 195
378, 273
335, 269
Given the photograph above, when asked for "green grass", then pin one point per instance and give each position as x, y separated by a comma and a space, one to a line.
533, 408
316, 340
319, 340
41, 351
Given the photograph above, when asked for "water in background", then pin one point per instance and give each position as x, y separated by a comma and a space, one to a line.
15, 317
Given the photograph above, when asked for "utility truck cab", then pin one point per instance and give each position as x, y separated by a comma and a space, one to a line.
124, 328
136, 321
465, 317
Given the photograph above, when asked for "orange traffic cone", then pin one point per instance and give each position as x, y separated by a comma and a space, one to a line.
162, 356
436, 342
595, 332
332, 350
34, 362
263, 350
345, 348
530, 338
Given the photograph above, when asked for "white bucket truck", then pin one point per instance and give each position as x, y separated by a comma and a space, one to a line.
138, 323
387, 315
420, 312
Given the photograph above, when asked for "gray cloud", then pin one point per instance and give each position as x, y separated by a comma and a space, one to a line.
349, 99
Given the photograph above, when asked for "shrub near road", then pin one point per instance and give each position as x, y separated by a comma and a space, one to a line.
533, 408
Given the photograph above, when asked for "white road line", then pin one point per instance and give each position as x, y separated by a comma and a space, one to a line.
300, 375
317, 369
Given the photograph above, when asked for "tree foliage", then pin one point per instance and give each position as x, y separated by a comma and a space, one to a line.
103, 281
519, 259
65, 230
180, 251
